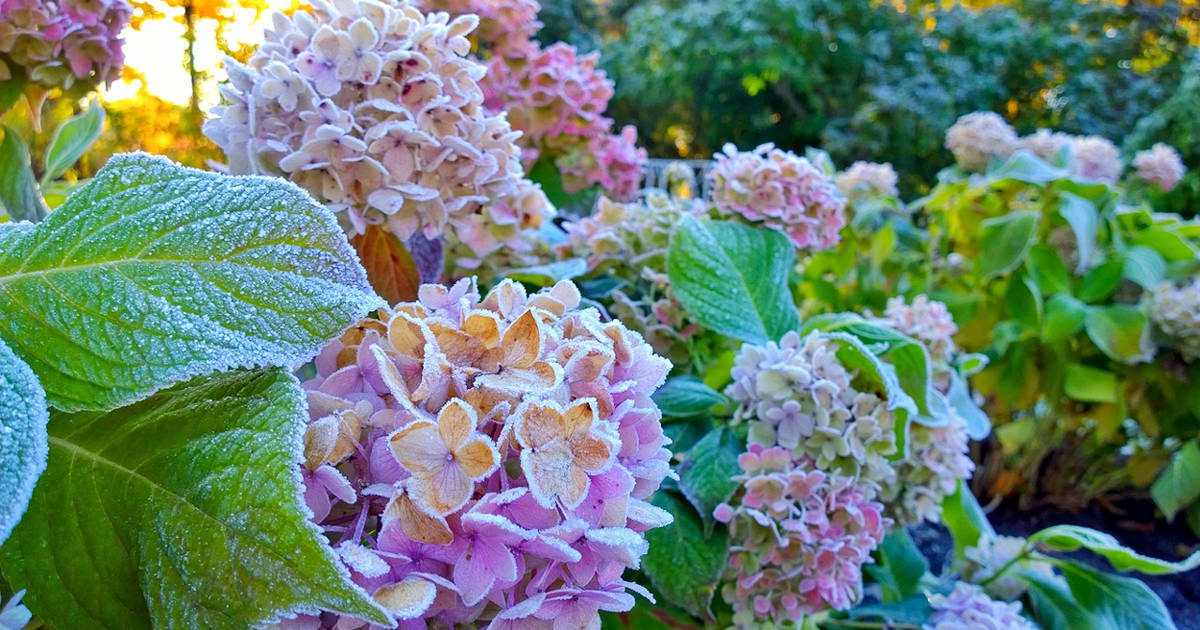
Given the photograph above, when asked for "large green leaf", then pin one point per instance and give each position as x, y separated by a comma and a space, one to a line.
900, 566
965, 519
23, 418
1072, 537
733, 278
1064, 317
1005, 240
1084, 220
18, 189
1088, 384
1052, 605
682, 564
707, 470
1113, 602
687, 396
1144, 266
182, 510
71, 140
153, 273
1121, 332
1179, 483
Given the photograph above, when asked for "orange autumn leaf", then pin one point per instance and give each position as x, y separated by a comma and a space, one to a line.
390, 267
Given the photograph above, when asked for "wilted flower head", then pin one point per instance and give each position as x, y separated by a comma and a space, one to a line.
506, 27
376, 110
780, 190
64, 43
868, 179
797, 394
1094, 157
968, 607
1159, 166
980, 137
799, 537
488, 459
1175, 310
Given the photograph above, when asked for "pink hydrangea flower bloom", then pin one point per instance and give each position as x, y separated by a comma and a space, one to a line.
1175, 311
977, 138
506, 27
1094, 157
64, 43
487, 461
614, 161
376, 110
868, 179
800, 537
780, 190
1160, 166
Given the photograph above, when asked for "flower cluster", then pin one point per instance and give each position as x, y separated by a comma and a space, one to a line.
1095, 157
1160, 166
977, 138
868, 179
557, 99
614, 161
1045, 143
64, 43
937, 456
798, 395
629, 241
781, 190
376, 110
993, 554
1175, 310
802, 537
968, 607
488, 459
506, 27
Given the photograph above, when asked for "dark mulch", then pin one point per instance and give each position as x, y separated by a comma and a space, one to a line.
1181, 593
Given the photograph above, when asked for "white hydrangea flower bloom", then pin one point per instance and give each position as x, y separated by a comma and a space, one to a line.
1096, 158
1175, 310
993, 553
375, 108
980, 137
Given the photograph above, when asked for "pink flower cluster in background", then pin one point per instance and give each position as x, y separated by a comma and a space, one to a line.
376, 110
557, 98
1160, 166
487, 461
780, 190
506, 27
64, 43
802, 536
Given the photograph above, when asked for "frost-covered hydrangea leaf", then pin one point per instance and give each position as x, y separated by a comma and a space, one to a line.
153, 273
687, 396
389, 265
1121, 332
734, 278
182, 510
71, 139
18, 188
23, 418
706, 474
682, 564
1072, 537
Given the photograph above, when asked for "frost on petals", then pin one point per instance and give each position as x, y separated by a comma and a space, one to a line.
780, 190
376, 110
487, 459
